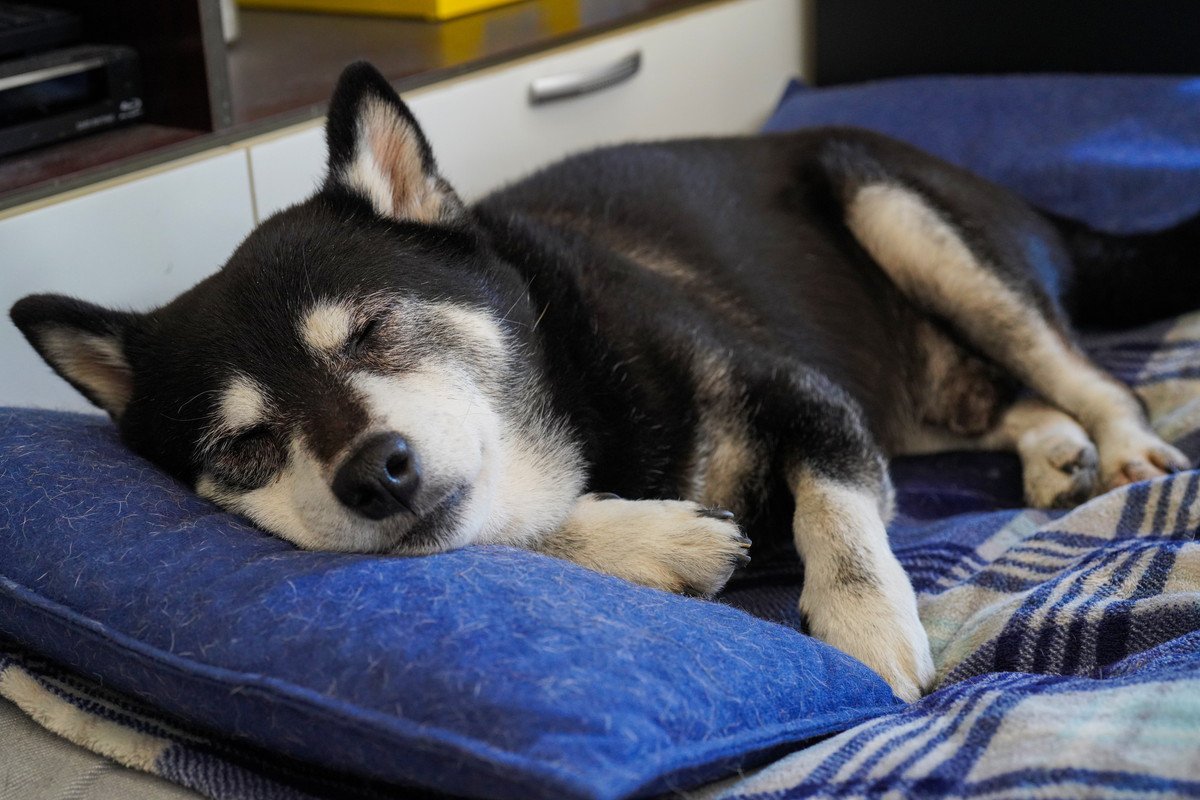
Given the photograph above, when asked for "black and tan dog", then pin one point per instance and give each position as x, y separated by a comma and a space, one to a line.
753, 324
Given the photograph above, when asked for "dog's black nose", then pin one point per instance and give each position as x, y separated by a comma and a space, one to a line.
380, 479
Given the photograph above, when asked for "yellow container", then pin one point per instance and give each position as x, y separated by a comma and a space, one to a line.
428, 9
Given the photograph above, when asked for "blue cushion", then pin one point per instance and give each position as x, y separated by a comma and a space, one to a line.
1119, 152
486, 672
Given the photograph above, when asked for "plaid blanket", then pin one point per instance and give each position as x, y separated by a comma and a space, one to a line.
1067, 643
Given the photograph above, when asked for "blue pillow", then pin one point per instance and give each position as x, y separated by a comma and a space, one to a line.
1119, 152
486, 672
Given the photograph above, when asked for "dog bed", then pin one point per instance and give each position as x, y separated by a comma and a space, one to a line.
487, 671
1067, 644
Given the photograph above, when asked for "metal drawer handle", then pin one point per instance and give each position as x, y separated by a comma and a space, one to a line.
574, 84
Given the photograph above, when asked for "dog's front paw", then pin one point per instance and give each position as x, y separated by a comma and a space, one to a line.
668, 544
878, 625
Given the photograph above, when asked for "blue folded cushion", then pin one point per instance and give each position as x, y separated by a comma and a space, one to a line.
486, 672
1119, 152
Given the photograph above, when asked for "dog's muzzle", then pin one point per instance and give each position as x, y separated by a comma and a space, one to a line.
380, 479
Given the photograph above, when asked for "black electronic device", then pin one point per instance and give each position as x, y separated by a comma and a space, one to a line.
32, 29
64, 93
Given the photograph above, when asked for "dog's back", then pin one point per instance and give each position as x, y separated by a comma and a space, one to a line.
724, 247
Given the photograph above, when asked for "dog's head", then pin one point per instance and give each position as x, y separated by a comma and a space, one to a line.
349, 379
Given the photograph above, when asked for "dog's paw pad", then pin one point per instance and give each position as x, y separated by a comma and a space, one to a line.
1141, 458
1071, 458
1060, 472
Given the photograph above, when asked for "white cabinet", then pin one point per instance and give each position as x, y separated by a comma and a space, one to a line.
712, 71
717, 70
287, 169
130, 246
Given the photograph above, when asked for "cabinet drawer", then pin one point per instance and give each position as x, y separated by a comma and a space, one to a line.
716, 70
133, 245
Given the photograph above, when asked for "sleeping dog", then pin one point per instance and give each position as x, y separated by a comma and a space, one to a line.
596, 362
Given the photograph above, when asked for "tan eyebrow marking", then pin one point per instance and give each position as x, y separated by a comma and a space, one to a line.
242, 404
327, 326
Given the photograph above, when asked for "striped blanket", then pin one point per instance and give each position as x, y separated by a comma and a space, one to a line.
1067, 643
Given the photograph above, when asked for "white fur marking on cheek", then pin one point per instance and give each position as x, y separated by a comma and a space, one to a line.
299, 506
241, 405
327, 327
295, 506
207, 488
539, 479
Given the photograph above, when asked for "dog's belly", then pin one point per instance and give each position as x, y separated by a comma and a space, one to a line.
718, 253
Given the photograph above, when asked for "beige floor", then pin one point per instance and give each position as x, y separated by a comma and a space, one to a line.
37, 765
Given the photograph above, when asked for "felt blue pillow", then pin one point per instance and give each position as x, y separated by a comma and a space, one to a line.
1119, 152
486, 672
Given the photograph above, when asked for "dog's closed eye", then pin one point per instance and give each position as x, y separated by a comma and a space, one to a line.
249, 438
247, 459
362, 339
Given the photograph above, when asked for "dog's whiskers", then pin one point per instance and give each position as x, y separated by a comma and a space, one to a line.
538, 321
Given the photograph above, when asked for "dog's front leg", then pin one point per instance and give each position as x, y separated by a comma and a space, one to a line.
668, 544
856, 595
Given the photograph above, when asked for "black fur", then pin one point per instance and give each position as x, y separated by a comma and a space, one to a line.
1120, 281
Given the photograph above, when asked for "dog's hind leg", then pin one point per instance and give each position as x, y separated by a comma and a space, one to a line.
1059, 463
986, 290
965, 402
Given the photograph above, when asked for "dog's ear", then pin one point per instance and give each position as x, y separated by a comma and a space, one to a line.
377, 151
84, 343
